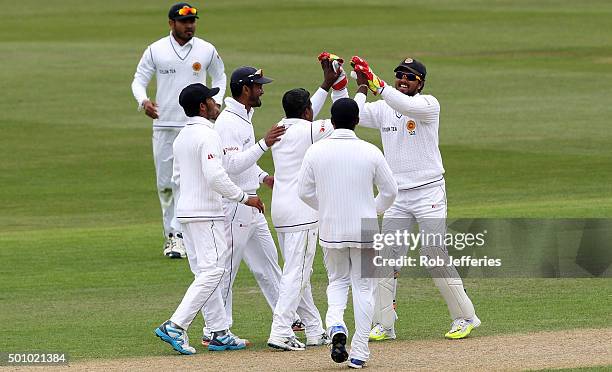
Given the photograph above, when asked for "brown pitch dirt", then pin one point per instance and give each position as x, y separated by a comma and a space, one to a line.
538, 350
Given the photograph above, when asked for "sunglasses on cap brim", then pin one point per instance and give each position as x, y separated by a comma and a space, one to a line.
407, 75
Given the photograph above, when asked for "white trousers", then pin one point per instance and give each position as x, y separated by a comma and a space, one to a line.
248, 237
163, 157
427, 208
207, 252
343, 270
295, 292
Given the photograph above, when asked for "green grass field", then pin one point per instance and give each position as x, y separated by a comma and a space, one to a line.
524, 89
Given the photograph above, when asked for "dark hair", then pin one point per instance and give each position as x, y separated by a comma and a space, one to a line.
345, 114
295, 102
236, 89
193, 108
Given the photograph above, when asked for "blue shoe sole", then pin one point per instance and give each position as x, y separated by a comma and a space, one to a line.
164, 337
225, 347
338, 351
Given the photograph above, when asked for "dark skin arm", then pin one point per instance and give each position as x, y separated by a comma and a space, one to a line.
362, 81
329, 75
150, 109
255, 202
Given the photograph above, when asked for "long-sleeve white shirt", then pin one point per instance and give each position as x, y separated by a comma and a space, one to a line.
199, 173
337, 178
409, 131
175, 67
289, 212
240, 151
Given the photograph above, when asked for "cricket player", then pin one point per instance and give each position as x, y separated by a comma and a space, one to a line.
202, 180
295, 222
336, 179
176, 61
247, 232
408, 122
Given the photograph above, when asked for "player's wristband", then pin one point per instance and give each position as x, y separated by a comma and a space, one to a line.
262, 145
262, 176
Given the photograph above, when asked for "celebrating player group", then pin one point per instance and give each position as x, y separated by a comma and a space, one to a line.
322, 191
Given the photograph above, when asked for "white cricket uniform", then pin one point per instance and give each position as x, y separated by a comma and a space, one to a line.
336, 179
296, 224
199, 174
174, 67
247, 232
409, 130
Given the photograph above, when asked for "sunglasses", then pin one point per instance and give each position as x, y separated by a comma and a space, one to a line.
187, 11
407, 75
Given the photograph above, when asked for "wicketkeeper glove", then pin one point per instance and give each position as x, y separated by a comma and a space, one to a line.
375, 84
337, 62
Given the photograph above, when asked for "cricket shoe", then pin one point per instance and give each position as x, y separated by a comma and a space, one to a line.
206, 339
286, 343
320, 340
176, 337
168, 247
338, 335
356, 363
226, 341
298, 326
379, 333
461, 328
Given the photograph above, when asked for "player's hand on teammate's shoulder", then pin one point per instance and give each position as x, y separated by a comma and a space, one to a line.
269, 181
150, 109
274, 134
255, 202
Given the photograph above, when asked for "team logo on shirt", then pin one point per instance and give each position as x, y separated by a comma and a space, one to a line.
197, 66
322, 130
411, 126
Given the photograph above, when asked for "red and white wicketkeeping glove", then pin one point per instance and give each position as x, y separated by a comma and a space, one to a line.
375, 84
337, 62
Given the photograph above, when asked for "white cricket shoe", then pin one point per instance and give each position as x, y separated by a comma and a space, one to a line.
461, 328
379, 333
320, 340
286, 343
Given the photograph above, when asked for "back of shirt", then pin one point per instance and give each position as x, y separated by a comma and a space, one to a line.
289, 212
337, 177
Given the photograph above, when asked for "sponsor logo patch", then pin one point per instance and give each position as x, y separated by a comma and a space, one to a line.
211, 156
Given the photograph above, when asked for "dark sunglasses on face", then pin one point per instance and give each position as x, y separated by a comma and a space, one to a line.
407, 75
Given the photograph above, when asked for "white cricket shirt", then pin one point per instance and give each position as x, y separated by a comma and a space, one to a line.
240, 151
409, 131
175, 67
336, 179
199, 173
289, 212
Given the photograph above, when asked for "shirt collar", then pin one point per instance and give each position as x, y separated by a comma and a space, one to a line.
179, 46
341, 133
238, 108
199, 120
292, 121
